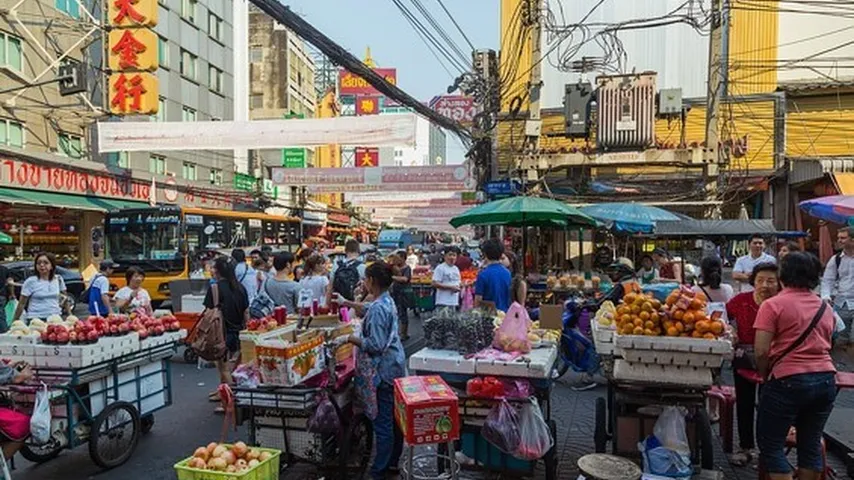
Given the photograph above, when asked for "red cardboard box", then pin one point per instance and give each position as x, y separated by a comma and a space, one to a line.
426, 409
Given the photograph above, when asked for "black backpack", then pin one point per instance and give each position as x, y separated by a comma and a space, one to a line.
346, 279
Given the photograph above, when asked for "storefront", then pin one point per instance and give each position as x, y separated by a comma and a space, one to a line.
338, 227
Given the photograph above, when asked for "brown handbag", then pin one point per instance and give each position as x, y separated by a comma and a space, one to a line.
208, 336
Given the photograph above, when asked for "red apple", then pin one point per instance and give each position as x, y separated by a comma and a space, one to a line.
51, 337
62, 338
45, 337
92, 336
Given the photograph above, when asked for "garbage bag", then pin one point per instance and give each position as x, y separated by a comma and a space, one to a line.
534, 434
669, 429
40, 420
662, 461
512, 335
501, 427
325, 419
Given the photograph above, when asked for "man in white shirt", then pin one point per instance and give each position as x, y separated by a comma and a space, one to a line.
447, 281
744, 265
838, 284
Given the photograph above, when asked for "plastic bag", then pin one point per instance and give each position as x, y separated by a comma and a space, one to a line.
501, 427
467, 300
534, 434
247, 375
669, 429
40, 420
664, 462
325, 419
512, 335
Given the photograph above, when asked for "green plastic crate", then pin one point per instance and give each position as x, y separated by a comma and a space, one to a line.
267, 470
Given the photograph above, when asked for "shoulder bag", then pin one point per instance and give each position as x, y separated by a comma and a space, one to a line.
208, 336
800, 340
262, 305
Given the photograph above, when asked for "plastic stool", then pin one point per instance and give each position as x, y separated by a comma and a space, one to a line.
724, 396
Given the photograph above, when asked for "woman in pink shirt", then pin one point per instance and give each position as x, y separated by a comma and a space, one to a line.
793, 342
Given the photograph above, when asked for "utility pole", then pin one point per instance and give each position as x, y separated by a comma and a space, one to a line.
533, 125
717, 92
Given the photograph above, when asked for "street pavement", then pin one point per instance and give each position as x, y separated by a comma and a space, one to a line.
190, 422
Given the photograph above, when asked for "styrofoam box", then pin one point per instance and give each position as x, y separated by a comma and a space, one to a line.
665, 357
151, 342
192, 303
151, 381
662, 374
17, 352
675, 344
67, 356
31, 339
536, 364
601, 333
441, 361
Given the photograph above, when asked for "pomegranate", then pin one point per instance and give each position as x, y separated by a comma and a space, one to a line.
241, 464
197, 462
62, 338
231, 469
265, 456
210, 448
217, 464
218, 451
253, 454
202, 453
51, 338
253, 463
229, 457
239, 449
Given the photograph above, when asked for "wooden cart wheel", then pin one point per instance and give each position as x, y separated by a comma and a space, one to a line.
114, 435
41, 453
550, 459
600, 429
146, 423
357, 448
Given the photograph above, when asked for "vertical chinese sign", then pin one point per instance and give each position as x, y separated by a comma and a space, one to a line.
133, 58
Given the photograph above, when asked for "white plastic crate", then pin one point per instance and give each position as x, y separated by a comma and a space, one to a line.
664, 357
662, 374
67, 356
536, 364
444, 361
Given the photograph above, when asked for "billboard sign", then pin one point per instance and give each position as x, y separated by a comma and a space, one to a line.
293, 157
352, 84
367, 157
369, 105
458, 107
379, 179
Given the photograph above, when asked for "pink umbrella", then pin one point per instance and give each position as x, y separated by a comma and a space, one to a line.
833, 208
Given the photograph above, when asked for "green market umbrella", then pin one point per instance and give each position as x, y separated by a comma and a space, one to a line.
5, 239
523, 212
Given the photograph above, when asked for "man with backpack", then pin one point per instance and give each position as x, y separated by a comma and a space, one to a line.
347, 273
838, 284
98, 295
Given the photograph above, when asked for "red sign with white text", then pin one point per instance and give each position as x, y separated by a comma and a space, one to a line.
458, 107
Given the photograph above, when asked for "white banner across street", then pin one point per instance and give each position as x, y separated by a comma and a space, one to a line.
396, 130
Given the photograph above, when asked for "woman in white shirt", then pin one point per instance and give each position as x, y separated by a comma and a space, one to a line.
132, 297
40, 294
315, 280
711, 275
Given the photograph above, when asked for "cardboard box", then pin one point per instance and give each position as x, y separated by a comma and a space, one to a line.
551, 317
291, 359
426, 409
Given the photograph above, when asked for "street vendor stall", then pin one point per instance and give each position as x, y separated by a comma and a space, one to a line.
495, 374
104, 379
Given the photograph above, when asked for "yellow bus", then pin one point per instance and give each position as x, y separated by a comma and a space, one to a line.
166, 241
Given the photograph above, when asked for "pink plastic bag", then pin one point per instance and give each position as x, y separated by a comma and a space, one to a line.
468, 300
512, 335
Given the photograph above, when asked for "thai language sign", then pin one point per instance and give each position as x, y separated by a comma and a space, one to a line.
358, 179
352, 84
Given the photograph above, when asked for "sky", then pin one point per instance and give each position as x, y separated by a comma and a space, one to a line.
379, 24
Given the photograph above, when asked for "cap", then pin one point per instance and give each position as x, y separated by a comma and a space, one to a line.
107, 263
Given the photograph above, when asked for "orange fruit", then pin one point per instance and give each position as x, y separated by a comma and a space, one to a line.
667, 324
648, 332
638, 331
702, 326
628, 329
679, 327
696, 334
716, 327
623, 310
655, 304
648, 325
646, 307
656, 331
672, 332
644, 316
709, 336
671, 299
636, 309
688, 317
637, 322
630, 298
625, 318
654, 316
697, 304
678, 314
700, 296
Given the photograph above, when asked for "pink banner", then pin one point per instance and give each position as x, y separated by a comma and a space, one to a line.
377, 179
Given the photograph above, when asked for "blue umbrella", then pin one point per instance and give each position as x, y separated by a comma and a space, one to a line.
630, 217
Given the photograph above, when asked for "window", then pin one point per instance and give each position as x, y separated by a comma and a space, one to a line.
119, 159
216, 176
189, 171
11, 133
160, 116
256, 54
163, 52
69, 7
188, 115
157, 164
214, 26
188, 65
215, 79
11, 52
256, 101
70, 145
188, 10
398, 153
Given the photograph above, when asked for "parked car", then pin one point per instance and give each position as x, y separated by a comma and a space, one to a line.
21, 270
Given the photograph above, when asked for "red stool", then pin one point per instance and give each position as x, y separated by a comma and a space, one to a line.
725, 397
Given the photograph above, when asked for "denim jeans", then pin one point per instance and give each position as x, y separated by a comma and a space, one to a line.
803, 401
389, 439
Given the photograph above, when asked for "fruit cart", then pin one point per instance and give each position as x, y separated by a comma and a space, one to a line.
106, 401
656, 362
278, 416
537, 367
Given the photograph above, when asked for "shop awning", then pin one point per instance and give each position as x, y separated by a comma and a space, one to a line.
78, 202
720, 228
844, 183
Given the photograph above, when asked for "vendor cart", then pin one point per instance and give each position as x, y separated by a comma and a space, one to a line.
278, 418
107, 404
537, 367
